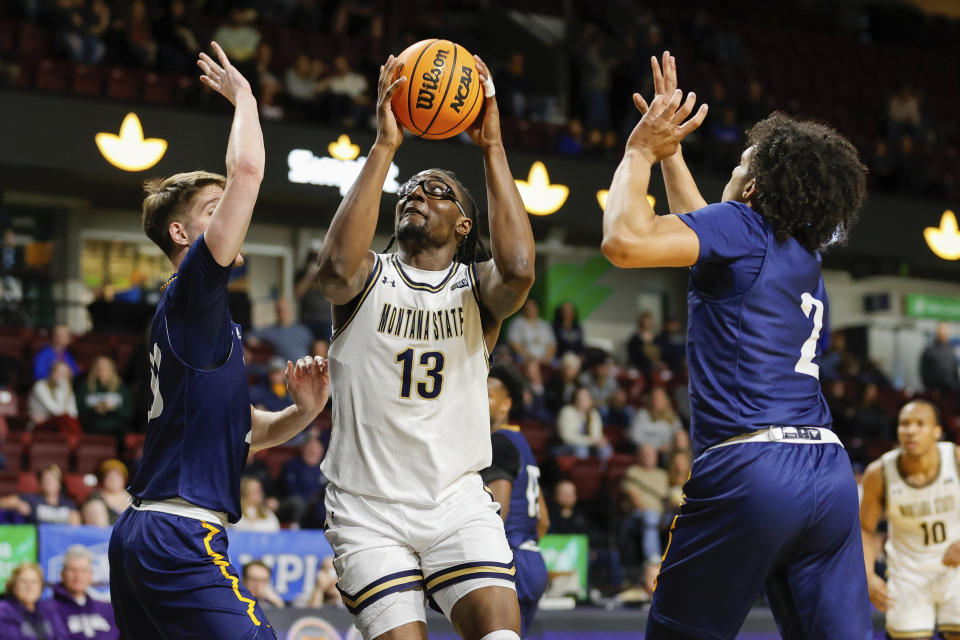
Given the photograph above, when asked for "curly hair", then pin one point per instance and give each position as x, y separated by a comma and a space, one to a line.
513, 384
471, 248
810, 181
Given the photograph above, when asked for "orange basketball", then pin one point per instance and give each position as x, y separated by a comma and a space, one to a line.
442, 95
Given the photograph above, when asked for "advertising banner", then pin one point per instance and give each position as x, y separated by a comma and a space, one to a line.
18, 543
566, 557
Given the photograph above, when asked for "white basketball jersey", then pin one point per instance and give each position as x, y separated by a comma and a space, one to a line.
409, 374
923, 521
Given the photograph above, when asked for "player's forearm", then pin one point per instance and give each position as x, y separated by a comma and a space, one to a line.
351, 232
272, 428
683, 196
245, 153
869, 539
511, 237
628, 216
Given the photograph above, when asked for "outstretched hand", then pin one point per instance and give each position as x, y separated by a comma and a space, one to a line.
485, 130
664, 125
389, 131
308, 383
224, 77
664, 79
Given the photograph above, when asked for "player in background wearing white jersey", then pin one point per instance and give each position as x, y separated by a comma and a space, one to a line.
406, 509
917, 486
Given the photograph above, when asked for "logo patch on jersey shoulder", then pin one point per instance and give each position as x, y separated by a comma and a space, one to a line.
460, 284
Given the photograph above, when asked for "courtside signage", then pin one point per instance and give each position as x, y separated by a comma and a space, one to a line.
920, 305
340, 169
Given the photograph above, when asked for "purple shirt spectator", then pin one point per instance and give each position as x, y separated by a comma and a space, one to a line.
16, 623
87, 620
44, 512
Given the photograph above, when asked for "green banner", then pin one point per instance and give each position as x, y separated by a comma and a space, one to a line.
920, 305
566, 558
18, 543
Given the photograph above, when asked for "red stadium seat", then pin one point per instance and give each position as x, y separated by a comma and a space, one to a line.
9, 482
565, 463
51, 76
13, 452
34, 42
44, 452
122, 85
76, 488
133, 444
589, 482
158, 89
8, 37
92, 450
88, 80
27, 482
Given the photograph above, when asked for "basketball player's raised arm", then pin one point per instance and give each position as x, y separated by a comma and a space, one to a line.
683, 195
309, 385
504, 281
345, 258
633, 235
245, 159
871, 509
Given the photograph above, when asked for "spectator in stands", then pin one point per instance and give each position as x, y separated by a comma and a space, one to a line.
315, 310
601, 381
302, 485
903, 112
112, 491
23, 615
258, 579
52, 403
257, 468
594, 80
94, 513
50, 506
78, 29
272, 394
566, 517
530, 336
642, 349
515, 84
177, 43
672, 343
755, 108
645, 487
345, 92
290, 339
239, 38
104, 402
871, 420
11, 266
938, 363
270, 85
581, 429
563, 384
836, 361
84, 617
535, 394
302, 86
618, 412
56, 351
567, 329
571, 142
133, 34
655, 423
841, 408
681, 443
325, 592
255, 516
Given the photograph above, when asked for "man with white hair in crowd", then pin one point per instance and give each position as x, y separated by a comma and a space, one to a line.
85, 617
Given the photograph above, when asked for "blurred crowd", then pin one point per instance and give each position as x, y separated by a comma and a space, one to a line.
318, 62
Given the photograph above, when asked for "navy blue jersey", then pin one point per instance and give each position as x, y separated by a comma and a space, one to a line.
513, 460
198, 430
756, 311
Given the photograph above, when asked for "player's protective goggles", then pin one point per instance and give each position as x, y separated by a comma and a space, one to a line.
432, 188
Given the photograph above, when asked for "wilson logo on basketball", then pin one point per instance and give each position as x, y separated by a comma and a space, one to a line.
463, 89
431, 80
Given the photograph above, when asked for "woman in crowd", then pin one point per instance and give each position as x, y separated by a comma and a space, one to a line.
53, 404
112, 492
23, 616
49, 506
655, 423
567, 329
581, 429
104, 402
255, 514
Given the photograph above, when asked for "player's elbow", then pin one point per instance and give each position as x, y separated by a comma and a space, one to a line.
617, 251
248, 168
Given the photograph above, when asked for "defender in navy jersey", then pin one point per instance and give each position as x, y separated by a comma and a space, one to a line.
514, 480
170, 576
771, 502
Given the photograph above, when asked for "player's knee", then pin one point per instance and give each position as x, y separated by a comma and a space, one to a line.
502, 634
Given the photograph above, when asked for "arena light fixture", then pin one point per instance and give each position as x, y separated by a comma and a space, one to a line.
129, 150
944, 240
539, 196
602, 199
343, 149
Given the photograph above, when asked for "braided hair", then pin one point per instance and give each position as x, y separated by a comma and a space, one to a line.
470, 249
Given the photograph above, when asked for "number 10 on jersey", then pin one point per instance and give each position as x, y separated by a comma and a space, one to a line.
427, 388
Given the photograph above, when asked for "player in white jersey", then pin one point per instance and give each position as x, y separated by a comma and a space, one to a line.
407, 512
917, 486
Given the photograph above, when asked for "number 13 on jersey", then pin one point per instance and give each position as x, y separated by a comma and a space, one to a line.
427, 388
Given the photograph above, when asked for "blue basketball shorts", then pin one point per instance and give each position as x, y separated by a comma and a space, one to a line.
531, 583
170, 577
775, 516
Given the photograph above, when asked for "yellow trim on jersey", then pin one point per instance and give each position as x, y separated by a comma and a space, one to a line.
663, 558
507, 427
512, 571
374, 276
223, 564
419, 286
380, 587
910, 635
949, 628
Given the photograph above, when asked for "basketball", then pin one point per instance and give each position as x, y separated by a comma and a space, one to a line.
442, 95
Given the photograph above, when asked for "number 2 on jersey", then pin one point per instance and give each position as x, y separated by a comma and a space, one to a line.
809, 349
433, 361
